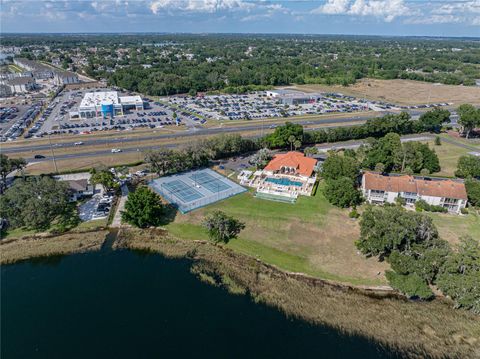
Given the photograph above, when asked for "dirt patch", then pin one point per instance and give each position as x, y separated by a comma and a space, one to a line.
404, 92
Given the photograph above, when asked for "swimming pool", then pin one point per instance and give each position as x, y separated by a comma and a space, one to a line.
284, 181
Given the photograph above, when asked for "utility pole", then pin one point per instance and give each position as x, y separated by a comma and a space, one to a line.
53, 154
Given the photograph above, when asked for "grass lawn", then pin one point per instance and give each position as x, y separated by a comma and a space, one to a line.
310, 236
452, 227
18, 232
448, 155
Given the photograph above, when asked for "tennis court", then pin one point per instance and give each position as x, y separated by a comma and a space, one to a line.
195, 189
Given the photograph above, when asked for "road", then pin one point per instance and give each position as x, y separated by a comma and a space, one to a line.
311, 122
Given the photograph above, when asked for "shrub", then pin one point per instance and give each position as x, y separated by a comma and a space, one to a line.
411, 285
354, 213
421, 205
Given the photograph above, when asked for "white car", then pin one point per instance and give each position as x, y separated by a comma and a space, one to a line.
78, 143
116, 150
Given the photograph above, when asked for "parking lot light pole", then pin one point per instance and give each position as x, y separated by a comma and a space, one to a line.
53, 154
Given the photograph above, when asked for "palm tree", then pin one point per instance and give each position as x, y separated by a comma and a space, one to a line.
291, 139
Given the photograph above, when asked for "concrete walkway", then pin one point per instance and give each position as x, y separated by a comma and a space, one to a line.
117, 219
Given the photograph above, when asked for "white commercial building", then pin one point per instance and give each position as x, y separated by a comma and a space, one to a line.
106, 104
447, 193
65, 78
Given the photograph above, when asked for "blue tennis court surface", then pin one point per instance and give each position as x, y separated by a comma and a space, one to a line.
195, 189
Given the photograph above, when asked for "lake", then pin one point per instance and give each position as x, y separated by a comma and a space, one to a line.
122, 304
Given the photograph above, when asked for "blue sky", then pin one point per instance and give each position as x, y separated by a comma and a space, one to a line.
371, 17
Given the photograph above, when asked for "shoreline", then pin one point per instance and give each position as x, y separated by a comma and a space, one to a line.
416, 329
20, 249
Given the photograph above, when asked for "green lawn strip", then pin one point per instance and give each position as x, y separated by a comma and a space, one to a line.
459, 225
19, 232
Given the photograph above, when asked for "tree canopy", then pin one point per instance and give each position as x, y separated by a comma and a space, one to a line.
143, 208
383, 230
35, 202
222, 227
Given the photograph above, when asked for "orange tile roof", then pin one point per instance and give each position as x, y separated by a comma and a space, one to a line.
297, 160
441, 188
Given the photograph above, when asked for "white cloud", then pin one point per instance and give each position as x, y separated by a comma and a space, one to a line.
200, 6
333, 7
386, 9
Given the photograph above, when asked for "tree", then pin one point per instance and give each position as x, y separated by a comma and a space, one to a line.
221, 227
35, 202
261, 158
433, 120
297, 144
384, 229
143, 208
341, 192
105, 178
284, 135
337, 166
468, 166
469, 118
8, 165
423, 259
291, 140
459, 277
386, 150
409, 284
310, 151
473, 191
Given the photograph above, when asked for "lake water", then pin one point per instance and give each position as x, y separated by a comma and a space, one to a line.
122, 304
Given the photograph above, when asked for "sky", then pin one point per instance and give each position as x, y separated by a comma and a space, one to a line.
361, 17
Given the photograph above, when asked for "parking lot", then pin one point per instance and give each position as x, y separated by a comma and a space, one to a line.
259, 105
14, 120
56, 118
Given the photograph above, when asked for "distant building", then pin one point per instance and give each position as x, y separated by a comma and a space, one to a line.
5, 91
447, 193
65, 78
293, 97
106, 104
38, 70
20, 84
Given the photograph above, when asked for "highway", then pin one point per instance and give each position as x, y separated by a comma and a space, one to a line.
192, 132
188, 133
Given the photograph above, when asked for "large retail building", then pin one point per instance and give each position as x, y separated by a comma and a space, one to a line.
106, 104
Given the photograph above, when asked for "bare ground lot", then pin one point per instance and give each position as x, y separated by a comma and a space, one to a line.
404, 92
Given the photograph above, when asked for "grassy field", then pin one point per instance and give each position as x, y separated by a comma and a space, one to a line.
310, 236
448, 155
404, 92
451, 227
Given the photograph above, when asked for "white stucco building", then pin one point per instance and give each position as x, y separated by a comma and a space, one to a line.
447, 193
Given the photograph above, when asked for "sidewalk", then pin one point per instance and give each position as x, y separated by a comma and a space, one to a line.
117, 220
